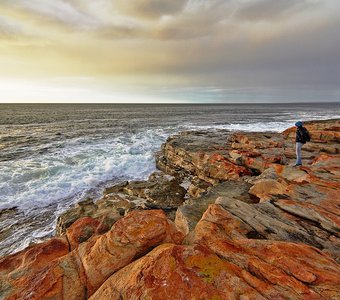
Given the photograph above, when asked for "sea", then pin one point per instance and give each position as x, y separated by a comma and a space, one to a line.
55, 155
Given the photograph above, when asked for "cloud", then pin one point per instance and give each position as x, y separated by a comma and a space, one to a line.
222, 43
9, 28
149, 8
63, 12
269, 9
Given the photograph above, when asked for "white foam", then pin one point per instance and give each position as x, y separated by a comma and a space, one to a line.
253, 127
44, 179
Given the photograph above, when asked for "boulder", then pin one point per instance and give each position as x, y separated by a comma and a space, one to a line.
82, 229
178, 272
80, 273
191, 212
106, 211
128, 239
17, 270
226, 262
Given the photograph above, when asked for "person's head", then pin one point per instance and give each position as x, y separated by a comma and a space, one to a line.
299, 124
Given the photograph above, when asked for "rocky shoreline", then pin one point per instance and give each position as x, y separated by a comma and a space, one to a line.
225, 217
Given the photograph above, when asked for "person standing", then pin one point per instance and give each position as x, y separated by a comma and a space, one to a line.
302, 136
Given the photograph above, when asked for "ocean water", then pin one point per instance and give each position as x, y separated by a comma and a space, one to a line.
54, 155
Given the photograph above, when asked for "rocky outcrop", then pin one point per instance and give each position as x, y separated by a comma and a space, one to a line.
105, 212
219, 155
223, 263
283, 203
248, 226
160, 190
80, 273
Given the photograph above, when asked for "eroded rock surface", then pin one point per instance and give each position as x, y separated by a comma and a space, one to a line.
223, 263
81, 272
160, 190
253, 227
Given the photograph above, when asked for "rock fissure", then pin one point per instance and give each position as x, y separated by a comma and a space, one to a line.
305, 217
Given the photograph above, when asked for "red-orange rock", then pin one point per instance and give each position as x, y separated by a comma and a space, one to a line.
81, 230
178, 272
224, 264
34, 257
81, 272
264, 189
277, 270
62, 278
221, 168
18, 268
129, 238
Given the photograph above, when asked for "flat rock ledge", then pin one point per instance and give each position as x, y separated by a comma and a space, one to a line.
226, 217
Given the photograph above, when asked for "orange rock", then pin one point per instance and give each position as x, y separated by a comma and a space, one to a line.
62, 278
17, 269
264, 189
34, 257
129, 238
218, 167
275, 269
224, 264
81, 272
81, 230
178, 272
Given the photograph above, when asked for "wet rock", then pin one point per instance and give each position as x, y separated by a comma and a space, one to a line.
116, 188
106, 211
8, 211
161, 190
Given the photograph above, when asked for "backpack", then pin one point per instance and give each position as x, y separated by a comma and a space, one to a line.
305, 135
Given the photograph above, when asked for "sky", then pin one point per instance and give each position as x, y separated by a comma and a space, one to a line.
160, 51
